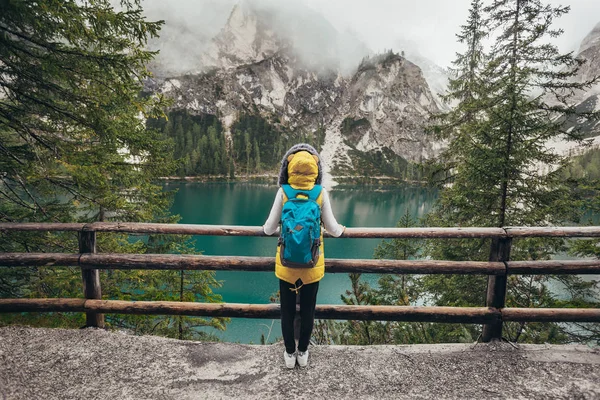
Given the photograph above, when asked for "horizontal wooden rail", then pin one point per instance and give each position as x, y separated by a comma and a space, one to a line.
39, 259
233, 230
380, 313
178, 262
551, 314
333, 265
139, 228
241, 263
566, 231
42, 227
553, 267
423, 233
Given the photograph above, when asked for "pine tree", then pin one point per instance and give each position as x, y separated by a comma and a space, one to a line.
204, 155
189, 141
248, 147
498, 134
466, 90
72, 145
231, 168
69, 118
216, 162
180, 138
226, 156
256, 156
196, 134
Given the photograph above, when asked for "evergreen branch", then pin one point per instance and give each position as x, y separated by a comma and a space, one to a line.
20, 128
57, 48
10, 154
17, 200
19, 180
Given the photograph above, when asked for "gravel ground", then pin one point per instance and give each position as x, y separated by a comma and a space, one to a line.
97, 364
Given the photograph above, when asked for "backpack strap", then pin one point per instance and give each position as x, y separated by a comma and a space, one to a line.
320, 199
291, 193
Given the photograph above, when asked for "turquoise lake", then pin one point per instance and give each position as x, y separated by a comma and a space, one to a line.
249, 204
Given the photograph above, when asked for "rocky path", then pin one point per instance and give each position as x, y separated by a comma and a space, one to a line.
96, 364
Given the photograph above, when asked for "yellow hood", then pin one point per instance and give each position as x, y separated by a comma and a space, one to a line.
302, 170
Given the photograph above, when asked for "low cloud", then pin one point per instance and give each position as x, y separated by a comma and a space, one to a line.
339, 32
190, 26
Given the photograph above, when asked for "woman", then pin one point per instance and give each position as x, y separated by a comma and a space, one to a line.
301, 170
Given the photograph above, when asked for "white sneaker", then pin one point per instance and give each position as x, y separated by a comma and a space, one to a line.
303, 358
290, 359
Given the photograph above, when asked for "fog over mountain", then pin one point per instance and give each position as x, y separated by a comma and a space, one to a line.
190, 25
379, 24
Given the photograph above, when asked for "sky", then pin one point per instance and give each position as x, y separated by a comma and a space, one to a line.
428, 26
433, 24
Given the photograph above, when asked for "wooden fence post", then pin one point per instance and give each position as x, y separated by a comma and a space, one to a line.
496, 288
91, 278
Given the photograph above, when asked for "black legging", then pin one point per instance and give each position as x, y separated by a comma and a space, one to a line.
308, 300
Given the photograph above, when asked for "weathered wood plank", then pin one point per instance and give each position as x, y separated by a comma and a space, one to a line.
334, 265
38, 259
181, 229
90, 278
185, 308
551, 314
383, 313
554, 267
233, 230
475, 315
424, 233
559, 231
239, 263
496, 288
41, 305
39, 226
177, 262
413, 267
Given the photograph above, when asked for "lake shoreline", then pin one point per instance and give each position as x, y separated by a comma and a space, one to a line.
342, 181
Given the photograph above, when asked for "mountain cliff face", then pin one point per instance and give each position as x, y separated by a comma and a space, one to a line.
250, 68
245, 39
589, 99
391, 95
590, 51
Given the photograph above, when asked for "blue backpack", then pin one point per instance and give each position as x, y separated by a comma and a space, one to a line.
300, 228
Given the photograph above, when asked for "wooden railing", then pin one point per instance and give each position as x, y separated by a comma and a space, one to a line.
497, 269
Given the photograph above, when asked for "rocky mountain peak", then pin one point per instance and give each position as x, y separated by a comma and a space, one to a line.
257, 30
587, 100
390, 96
246, 38
590, 52
592, 40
